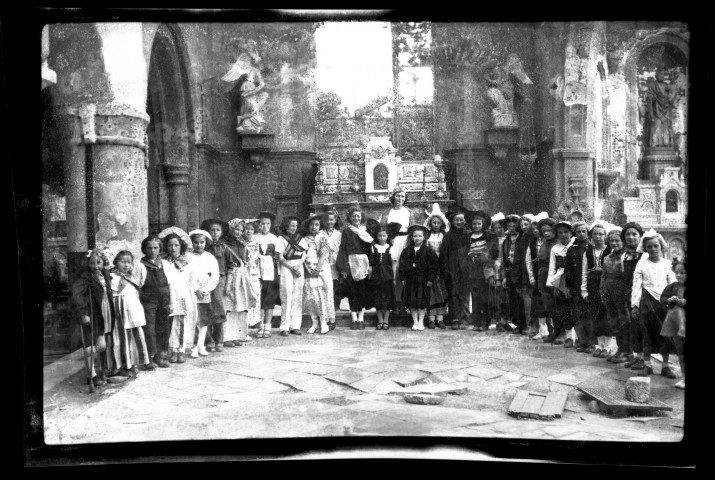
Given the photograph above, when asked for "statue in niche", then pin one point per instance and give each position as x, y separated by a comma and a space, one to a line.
380, 177
504, 84
661, 101
247, 95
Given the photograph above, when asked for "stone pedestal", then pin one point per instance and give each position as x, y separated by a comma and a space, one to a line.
658, 158
575, 180
501, 141
177, 179
257, 146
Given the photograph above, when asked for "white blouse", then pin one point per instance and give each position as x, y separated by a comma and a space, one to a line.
401, 216
652, 276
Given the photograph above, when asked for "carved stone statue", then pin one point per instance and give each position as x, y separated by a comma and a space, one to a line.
661, 102
247, 96
505, 83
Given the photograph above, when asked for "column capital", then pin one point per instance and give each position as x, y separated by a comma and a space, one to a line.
108, 124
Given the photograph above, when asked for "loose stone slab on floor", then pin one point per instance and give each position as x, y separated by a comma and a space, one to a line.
486, 372
433, 389
347, 376
565, 379
439, 367
406, 378
316, 368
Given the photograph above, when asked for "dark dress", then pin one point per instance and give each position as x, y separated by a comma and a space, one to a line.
351, 244
417, 268
474, 274
80, 301
629, 267
454, 240
596, 307
380, 284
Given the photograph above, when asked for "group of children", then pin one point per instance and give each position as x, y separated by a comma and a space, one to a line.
562, 283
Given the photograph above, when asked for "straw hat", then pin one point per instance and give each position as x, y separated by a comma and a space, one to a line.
176, 230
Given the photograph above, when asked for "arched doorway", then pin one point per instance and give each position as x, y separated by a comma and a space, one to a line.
171, 147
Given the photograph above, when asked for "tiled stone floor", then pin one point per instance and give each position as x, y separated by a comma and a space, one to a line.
349, 383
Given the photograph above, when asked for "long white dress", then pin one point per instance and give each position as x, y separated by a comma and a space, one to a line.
321, 247
254, 316
184, 312
291, 288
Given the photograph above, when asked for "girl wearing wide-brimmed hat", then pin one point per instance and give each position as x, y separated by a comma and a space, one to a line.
353, 263
418, 269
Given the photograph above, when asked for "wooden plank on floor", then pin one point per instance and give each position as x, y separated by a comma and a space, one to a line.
554, 404
533, 404
518, 402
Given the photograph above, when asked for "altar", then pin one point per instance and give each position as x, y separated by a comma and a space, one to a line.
370, 177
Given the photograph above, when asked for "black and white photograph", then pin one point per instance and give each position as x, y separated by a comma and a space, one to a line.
327, 225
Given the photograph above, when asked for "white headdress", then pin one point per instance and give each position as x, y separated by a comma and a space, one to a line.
436, 212
206, 235
540, 216
647, 236
497, 217
182, 234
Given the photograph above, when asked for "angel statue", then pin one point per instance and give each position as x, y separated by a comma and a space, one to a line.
504, 81
247, 95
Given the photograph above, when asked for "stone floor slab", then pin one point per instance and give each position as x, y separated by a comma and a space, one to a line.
486, 372
565, 379
407, 377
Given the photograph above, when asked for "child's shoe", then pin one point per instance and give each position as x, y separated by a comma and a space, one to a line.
441, 325
194, 352
203, 351
667, 372
455, 325
219, 347
431, 325
324, 328
311, 330
174, 357
180, 357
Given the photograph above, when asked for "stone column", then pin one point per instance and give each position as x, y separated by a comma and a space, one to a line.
73, 152
119, 175
177, 179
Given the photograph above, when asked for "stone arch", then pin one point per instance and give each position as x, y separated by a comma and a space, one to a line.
171, 132
629, 65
